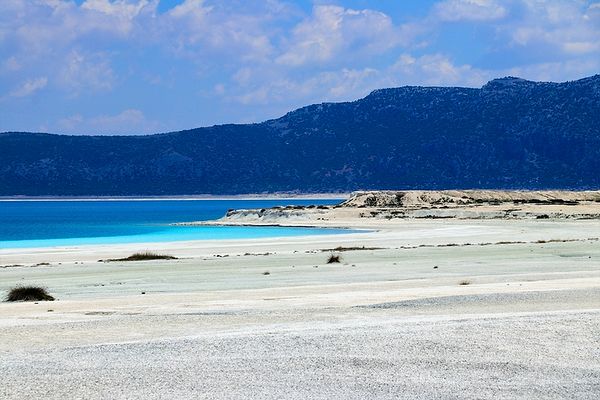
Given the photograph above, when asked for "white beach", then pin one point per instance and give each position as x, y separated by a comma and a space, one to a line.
384, 323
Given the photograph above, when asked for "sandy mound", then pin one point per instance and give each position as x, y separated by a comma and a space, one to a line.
428, 198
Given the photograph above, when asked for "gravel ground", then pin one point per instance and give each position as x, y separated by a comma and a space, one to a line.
541, 355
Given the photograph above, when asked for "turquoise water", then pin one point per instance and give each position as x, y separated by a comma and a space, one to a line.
25, 224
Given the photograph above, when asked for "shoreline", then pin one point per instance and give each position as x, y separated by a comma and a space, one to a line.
375, 231
175, 243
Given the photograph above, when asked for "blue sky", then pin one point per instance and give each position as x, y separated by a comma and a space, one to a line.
145, 66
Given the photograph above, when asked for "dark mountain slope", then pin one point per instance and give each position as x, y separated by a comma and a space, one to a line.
511, 133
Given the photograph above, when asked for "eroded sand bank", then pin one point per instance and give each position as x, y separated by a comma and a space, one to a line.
365, 209
429, 309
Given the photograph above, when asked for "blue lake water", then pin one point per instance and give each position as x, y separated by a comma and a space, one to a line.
66, 223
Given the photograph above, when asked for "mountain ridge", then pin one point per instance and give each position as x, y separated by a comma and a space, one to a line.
509, 134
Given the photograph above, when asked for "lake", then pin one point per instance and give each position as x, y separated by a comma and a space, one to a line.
78, 222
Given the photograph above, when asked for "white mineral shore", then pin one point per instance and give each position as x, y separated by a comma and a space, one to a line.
430, 308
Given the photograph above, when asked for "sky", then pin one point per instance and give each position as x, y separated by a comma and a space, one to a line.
149, 66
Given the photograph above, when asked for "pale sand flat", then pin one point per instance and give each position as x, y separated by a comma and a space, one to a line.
382, 324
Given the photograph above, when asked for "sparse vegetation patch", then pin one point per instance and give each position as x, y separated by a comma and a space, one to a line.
353, 248
334, 258
143, 256
28, 293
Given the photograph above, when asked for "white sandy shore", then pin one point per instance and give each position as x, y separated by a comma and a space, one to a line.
384, 323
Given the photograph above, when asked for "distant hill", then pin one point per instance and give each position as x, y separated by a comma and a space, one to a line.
511, 133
